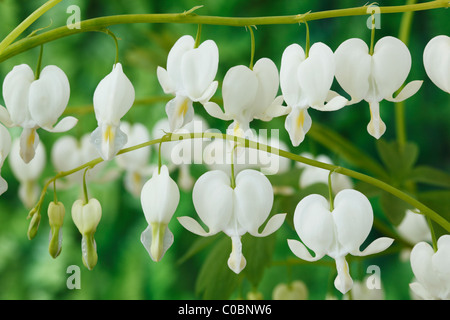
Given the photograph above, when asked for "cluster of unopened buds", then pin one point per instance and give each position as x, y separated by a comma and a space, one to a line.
238, 199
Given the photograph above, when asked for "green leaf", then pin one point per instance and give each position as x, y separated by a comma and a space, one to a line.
438, 201
398, 161
215, 280
393, 207
431, 176
258, 252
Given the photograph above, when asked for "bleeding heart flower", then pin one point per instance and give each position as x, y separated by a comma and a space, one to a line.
337, 232
235, 211
436, 60
375, 77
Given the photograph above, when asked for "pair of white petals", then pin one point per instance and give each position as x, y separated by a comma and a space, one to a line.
113, 97
33, 104
233, 211
190, 77
436, 60
375, 77
249, 94
335, 233
305, 82
432, 269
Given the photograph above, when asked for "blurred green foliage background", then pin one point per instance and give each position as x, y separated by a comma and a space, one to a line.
195, 268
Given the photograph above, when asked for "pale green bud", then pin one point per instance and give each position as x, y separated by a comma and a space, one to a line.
56, 212
34, 225
296, 290
86, 216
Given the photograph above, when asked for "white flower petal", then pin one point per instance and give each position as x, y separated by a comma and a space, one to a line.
376, 126
181, 46
113, 97
408, 91
5, 118
376, 246
48, 96
436, 60
391, 66
343, 281
209, 92
160, 197
64, 125
236, 261
302, 252
253, 198
108, 140
193, 226
180, 112
268, 83
291, 59
353, 65
152, 242
314, 224
16, 87
316, 74
353, 217
29, 141
198, 69
297, 124
239, 90
213, 200
422, 267
215, 111
165, 81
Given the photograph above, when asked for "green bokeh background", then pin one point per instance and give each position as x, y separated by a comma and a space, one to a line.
125, 270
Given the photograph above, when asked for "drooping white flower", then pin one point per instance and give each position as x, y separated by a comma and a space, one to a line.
305, 82
335, 233
159, 198
27, 173
436, 60
375, 77
33, 104
113, 97
5, 148
414, 228
432, 270
135, 163
247, 95
86, 217
190, 77
234, 211
311, 175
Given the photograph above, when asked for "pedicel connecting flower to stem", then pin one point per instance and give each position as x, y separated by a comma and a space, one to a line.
35, 102
335, 230
190, 77
233, 209
113, 97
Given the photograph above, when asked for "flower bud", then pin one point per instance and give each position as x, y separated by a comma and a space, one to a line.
296, 290
56, 212
86, 217
34, 225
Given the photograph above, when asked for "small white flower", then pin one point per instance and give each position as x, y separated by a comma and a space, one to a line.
159, 198
33, 104
305, 82
233, 211
436, 60
247, 95
190, 77
375, 77
335, 233
414, 228
113, 97
432, 270
27, 173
